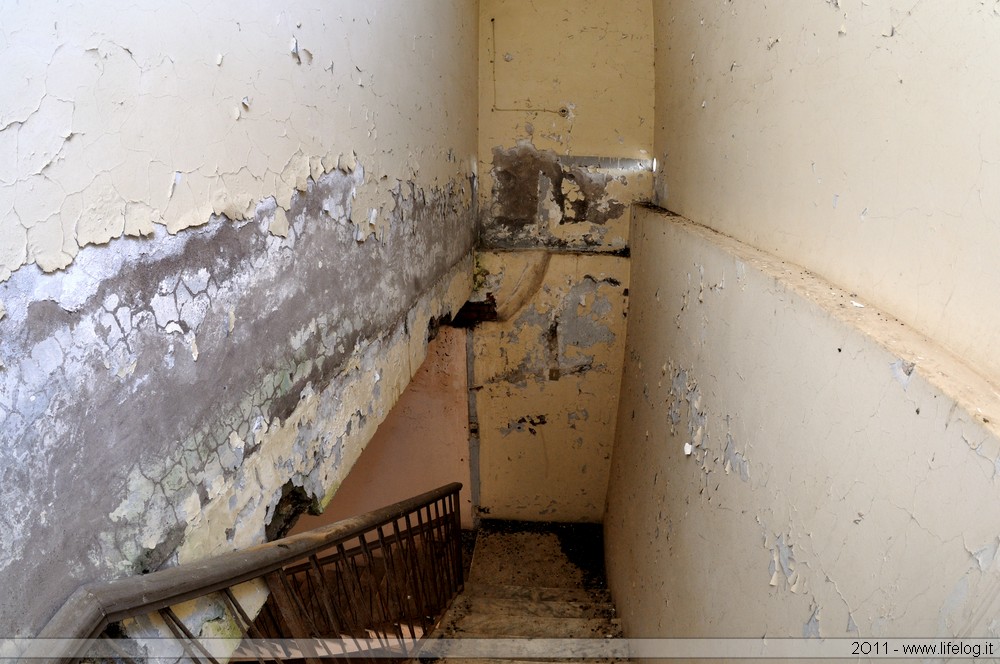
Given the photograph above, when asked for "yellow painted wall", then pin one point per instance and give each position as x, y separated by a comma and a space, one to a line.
546, 381
575, 79
565, 136
224, 230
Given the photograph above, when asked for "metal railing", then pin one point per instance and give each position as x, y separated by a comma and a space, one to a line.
369, 586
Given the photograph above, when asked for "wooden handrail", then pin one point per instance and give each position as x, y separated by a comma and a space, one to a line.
93, 607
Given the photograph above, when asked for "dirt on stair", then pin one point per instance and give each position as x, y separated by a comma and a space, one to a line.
531, 583
554, 555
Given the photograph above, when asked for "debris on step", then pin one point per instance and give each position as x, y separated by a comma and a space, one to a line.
530, 583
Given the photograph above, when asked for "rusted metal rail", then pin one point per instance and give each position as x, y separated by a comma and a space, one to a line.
370, 585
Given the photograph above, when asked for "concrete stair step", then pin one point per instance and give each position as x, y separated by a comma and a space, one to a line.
477, 625
526, 607
537, 593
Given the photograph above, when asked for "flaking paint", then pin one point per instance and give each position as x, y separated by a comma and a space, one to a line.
222, 239
565, 117
832, 498
853, 138
125, 118
546, 382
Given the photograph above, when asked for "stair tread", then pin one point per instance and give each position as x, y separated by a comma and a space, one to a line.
477, 625
537, 593
529, 607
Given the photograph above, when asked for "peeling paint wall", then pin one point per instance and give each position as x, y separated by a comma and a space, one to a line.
784, 442
422, 444
546, 381
565, 121
222, 239
565, 111
854, 138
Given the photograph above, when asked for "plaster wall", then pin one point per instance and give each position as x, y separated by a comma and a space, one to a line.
222, 238
790, 460
422, 444
857, 139
546, 382
565, 121
565, 108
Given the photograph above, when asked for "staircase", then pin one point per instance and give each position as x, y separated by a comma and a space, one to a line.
533, 581
370, 587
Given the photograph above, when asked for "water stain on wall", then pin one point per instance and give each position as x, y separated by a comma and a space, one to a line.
534, 191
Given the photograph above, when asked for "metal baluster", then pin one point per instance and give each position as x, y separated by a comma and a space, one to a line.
290, 609
409, 584
442, 547
242, 620
342, 559
427, 530
184, 635
376, 594
393, 587
376, 585
418, 583
456, 540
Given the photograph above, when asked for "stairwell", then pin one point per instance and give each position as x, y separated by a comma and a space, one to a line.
537, 581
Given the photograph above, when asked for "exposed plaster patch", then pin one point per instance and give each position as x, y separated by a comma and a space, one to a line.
540, 201
684, 404
951, 614
902, 371
734, 460
529, 423
578, 322
782, 568
561, 349
986, 555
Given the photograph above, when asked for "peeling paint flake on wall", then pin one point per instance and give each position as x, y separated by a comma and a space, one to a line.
222, 239
132, 118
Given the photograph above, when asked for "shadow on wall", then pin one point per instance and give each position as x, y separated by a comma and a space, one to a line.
422, 444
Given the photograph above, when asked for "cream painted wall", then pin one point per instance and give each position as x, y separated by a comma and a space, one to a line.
120, 118
224, 231
857, 139
791, 464
565, 117
570, 90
